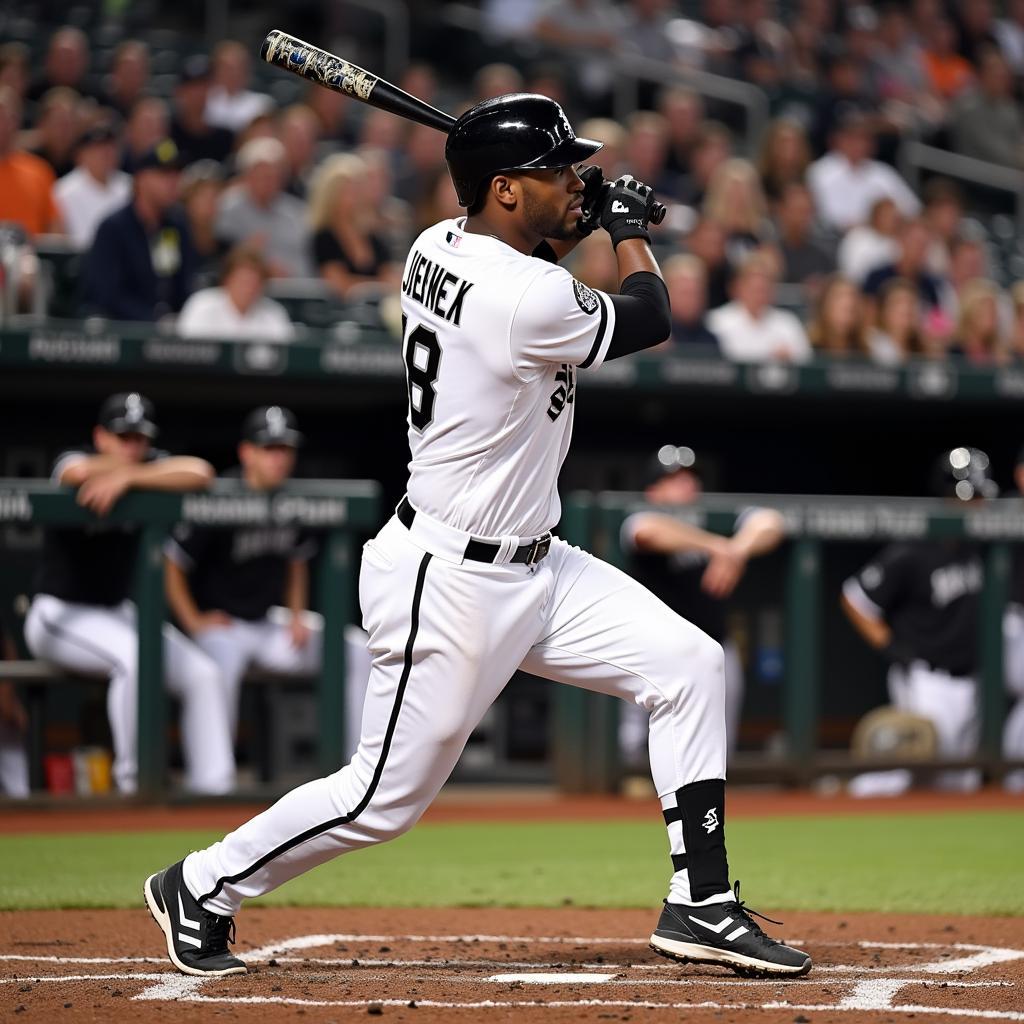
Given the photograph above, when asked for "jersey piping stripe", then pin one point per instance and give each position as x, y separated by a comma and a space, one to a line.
600, 333
65, 634
345, 819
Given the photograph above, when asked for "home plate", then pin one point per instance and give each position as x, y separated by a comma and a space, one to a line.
552, 979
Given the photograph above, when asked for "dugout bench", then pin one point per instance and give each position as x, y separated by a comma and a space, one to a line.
338, 510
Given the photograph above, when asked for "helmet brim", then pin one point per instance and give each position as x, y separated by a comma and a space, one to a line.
571, 151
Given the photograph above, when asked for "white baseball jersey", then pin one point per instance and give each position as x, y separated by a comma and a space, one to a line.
491, 383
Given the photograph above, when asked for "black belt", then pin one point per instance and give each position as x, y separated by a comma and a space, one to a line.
485, 550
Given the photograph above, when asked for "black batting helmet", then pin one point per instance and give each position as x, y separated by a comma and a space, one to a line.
963, 473
517, 132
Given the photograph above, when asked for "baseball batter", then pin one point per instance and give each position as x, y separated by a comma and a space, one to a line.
466, 584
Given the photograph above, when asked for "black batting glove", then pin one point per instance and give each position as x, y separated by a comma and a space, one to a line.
626, 208
594, 187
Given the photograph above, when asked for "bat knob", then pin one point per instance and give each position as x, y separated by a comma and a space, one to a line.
658, 212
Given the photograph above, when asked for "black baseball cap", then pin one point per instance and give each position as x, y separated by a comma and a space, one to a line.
272, 424
164, 156
97, 134
129, 413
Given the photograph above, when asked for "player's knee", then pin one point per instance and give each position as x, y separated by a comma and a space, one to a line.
693, 662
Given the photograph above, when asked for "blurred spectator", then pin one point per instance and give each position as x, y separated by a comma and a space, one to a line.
195, 138
15, 61
1017, 329
846, 181
57, 129
26, 181
419, 79
511, 19
257, 210
683, 110
299, 130
1009, 32
95, 188
238, 309
896, 334
948, 73
594, 263
686, 280
421, 156
836, 328
762, 44
201, 187
14, 781
911, 265
805, 259
785, 156
498, 79
944, 214
868, 246
590, 30
735, 201
66, 63
438, 201
611, 154
148, 124
976, 23
548, 79
897, 67
645, 30
346, 249
978, 340
141, 262
231, 103
129, 76
713, 148
707, 243
333, 111
750, 329
393, 216
968, 261
383, 130
647, 152
845, 92
986, 122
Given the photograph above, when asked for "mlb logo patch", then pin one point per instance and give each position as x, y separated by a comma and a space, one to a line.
453, 239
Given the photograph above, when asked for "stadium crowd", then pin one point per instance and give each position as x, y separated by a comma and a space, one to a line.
186, 203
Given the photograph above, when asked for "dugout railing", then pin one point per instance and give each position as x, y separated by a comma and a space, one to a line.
587, 756
340, 511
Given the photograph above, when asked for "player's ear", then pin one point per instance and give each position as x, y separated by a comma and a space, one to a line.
505, 190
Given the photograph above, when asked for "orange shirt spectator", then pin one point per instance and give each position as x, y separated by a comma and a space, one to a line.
26, 181
948, 72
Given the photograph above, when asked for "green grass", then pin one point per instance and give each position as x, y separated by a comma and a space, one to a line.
966, 863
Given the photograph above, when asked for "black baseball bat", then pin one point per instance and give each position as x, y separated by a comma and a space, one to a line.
336, 73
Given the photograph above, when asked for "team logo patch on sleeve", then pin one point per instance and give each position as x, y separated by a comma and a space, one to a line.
586, 298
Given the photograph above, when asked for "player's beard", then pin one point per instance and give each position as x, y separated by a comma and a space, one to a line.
546, 220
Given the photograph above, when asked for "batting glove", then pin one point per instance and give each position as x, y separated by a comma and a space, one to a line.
594, 188
626, 209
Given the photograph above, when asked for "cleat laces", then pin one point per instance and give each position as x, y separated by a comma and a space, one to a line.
749, 914
219, 932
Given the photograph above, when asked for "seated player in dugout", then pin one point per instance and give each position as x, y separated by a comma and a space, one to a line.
242, 593
1013, 658
83, 618
693, 571
918, 603
465, 584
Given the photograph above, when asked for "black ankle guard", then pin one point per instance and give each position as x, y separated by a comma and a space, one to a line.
702, 808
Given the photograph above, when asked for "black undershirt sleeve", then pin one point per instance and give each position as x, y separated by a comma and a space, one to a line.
643, 316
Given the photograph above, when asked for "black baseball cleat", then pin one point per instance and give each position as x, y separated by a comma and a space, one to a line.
726, 934
197, 940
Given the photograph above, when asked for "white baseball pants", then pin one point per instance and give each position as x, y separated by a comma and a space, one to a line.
13, 762
1013, 673
445, 636
94, 640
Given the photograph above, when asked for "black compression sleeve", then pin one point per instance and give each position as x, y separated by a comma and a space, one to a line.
643, 316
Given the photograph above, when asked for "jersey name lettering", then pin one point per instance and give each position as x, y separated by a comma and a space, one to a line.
431, 284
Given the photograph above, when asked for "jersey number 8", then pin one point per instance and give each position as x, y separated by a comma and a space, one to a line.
422, 362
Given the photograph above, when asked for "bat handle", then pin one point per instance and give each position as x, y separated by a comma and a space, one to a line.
658, 211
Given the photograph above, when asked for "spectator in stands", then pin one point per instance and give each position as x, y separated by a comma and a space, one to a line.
419, 160
129, 76
499, 79
201, 186
707, 243
613, 138
299, 132
897, 67
846, 181
647, 152
1016, 342
194, 136
257, 210
713, 148
977, 28
67, 61
687, 283
15, 62
346, 249
334, 112
948, 73
147, 125
26, 181
836, 327
594, 263
57, 129
986, 122
141, 263
392, 216
784, 158
238, 309
978, 339
645, 30
911, 265
845, 92
14, 782
231, 103
683, 110
587, 29
1009, 32
944, 215
735, 201
896, 334
438, 202
874, 244
806, 259
95, 188
749, 329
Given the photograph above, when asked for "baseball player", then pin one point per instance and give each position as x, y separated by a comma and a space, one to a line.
82, 617
466, 584
918, 604
693, 571
1013, 660
14, 781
